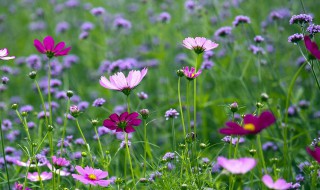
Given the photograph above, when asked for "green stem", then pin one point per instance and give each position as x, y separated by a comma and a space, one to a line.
4, 155
188, 106
43, 107
173, 136
49, 93
145, 147
99, 142
181, 110
129, 157
65, 120
261, 154
85, 141
287, 168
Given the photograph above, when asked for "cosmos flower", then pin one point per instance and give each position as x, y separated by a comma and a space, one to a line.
280, 184
191, 74
59, 162
50, 49
121, 83
58, 171
252, 124
91, 176
312, 47
315, 153
18, 186
237, 166
3, 54
35, 176
199, 44
124, 122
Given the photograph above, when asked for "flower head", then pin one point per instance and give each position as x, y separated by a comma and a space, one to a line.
36, 177
124, 122
315, 153
18, 186
199, 44
50, 49
3, 54
59, 162
280, 184
191, 74
121, 83
91, 176
300, 19
237, 166
312, 47
252, 124
241, 20
171, 113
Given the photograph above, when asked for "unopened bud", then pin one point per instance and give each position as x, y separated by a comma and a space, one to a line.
144, 113
264, 97
69, 93
234, 107
14, 106
50, 128
84, 154
259, 105
33, 74
180, 73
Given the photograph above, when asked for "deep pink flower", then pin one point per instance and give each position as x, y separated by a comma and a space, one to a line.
119, 82
191, 74
199, 44
58, 171
312, 47
91, 176
18, 186
124, 122
237, 166
314, 153
252, 124
50, 49
3, 54
35, 176
280, 184
59, 162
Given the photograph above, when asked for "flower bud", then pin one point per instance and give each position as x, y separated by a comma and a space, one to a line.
14, 106
191, 137
264, 97
259, 105
144, 113
203, 145
84, 154
74, 111
252, 152
94, 122
180, 73
234, 107
118, 181
184, 186
69, 93
33, 74
50, 128
143, 180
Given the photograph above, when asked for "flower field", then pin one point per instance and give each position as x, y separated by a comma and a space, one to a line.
159, 95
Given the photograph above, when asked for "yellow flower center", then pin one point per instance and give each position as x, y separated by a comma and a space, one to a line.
249, 127
192, 75
92, 177
39, 178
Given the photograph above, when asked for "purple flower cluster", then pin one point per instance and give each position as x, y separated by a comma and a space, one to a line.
223, 31
171, 113
295, 38
300, 19
313, 29
241, 20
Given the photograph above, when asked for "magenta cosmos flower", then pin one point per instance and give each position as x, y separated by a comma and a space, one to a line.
315, 153
51, 50
124, 122
312, 47
3, 54
59, 162
91, 176
19, 186
199, 44
191, 74
237, 166
35, 176
252, 124
120, 83
280, 184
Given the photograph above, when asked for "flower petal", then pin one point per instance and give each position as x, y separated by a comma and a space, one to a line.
265, 120
39, 46
63, 52
107, 84
59, 47
267, 180
4, 52
129, 129
48, 43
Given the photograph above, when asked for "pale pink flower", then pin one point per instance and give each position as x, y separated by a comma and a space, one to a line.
91, 176
3, 54
191, 74
35, 176
280, 184
121, 83
58, 171
199, 44
237, 166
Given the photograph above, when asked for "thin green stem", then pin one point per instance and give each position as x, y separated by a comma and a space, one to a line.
99, 142
145, 147
43, 106
261, 154
85, 141
188, 106
65, 120
181, 110
4, 155
129, 157
173, 135
49, 93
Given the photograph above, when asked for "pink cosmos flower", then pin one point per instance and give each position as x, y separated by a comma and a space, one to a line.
35, 176
3, 54
199, 44
312, 47
120, 83
314, 153
252, 124
124, 122
280, 184
91, 176
191, 74
58, 171
237, 166
59, 162
18, 186
50, 49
